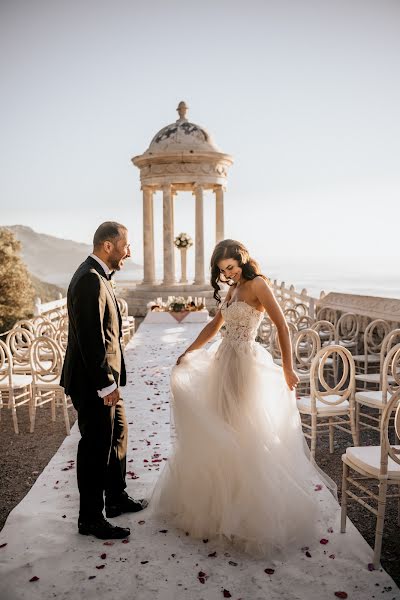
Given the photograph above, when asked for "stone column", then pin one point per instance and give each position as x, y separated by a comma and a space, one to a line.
219, 214
169, 255
199, 237
148, 236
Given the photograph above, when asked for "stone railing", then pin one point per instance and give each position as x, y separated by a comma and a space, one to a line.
283, 293
47, 308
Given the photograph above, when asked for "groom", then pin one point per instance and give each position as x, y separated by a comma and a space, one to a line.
93, 370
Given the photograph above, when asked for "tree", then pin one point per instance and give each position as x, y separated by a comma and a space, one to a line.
16, 291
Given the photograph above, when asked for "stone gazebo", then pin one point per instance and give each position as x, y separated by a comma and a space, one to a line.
181, 157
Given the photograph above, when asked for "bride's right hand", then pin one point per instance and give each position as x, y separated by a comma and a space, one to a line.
180, 358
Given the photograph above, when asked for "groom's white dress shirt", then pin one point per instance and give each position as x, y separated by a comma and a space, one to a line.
110, 388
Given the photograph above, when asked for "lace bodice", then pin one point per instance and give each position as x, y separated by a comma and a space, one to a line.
242, 322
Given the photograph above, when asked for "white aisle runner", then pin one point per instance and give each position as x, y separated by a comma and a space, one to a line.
40, 538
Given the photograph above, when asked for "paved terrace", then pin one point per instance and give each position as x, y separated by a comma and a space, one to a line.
40, 539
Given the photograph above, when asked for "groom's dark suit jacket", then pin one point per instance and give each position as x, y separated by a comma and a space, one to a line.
94, 358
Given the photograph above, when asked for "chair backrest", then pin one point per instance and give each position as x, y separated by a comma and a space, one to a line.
6, 363
25, 324
306, 344
291, 315
347, 328
123, 306
274, 347
304, 322
287, 303
19, 341
265, 331
387, 449
327, 314
301, 309
390, 340
344, 389
46, 359
61, 338
325, 327
391, 368
44, 327
374, 334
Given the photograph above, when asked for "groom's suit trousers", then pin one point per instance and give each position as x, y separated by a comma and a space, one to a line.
101, 460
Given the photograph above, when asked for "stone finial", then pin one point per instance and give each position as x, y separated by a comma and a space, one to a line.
182, 109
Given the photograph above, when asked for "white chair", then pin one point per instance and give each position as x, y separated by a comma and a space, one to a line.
347, 330
374, 380
379, 465
265, 331
19, 341
374, 334
306, 344
16, 389
304, 322
328, 408
46, 378
377, 399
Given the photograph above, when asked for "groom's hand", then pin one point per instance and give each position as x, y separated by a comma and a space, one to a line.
112, 399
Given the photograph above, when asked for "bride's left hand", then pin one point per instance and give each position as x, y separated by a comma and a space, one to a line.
292, 379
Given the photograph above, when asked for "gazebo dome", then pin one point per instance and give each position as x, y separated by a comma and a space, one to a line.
182, 136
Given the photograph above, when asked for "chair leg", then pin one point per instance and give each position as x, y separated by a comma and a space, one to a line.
14, 411
344, 498
353, 424
331, 434
53, 407
313, 436
380, 522
33, 417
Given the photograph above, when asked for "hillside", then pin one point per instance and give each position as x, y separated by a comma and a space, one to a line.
54, 260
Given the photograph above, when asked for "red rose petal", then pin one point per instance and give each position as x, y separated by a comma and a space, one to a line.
34, 578
330, 530
103, 556
64, 516
212, 555
324, 541
308, 554
269, 571
331, 556
141, 522
100, 566
371, 567
340, 594
92, 577
144, 562
233, 563
163, 530
318, 487
108, 543
227, 594
2, 545
126, 541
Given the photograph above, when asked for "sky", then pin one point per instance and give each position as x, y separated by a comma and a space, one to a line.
304, 95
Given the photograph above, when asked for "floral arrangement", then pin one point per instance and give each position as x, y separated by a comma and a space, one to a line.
183, 240
177, 304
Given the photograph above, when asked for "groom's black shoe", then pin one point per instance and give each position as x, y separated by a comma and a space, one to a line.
102, 529
124, 505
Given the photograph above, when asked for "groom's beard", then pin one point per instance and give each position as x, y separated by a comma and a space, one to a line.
116, 263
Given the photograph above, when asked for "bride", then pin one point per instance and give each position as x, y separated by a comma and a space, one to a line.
240, 469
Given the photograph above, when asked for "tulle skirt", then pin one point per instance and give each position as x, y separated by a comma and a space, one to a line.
240, 468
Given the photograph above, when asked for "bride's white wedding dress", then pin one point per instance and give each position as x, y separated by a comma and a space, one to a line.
240, 467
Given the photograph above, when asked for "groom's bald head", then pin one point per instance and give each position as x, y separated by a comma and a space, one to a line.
109, 231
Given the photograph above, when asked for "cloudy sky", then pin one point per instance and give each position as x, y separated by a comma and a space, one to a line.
304, 95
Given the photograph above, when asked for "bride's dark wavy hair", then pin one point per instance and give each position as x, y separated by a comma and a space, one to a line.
235, 250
